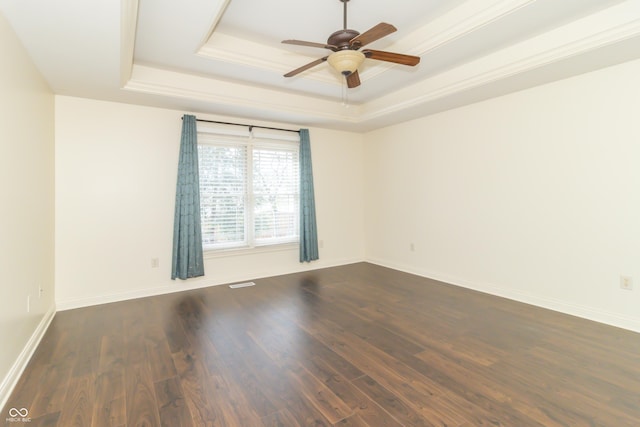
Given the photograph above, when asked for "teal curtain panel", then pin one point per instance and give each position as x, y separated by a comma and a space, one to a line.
187, 259
308, 229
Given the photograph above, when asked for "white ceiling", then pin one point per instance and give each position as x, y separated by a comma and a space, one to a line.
224, 57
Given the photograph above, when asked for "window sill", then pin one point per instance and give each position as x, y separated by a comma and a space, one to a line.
221, 253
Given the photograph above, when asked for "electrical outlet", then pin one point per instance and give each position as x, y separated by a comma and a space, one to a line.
626, 283
412, 247
40, 292
321, 244
155, 263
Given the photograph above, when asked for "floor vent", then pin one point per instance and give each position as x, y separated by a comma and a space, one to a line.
242, 285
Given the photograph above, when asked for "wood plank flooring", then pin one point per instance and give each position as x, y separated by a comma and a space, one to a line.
357, 345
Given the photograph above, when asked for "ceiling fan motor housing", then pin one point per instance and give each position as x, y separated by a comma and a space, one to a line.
341, 38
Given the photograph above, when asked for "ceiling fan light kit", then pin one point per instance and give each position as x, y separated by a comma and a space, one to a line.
346, 57
346, 61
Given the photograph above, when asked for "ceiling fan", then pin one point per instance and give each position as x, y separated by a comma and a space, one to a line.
346, 56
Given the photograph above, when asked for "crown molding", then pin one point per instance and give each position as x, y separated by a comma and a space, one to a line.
459, 22
219, 11
128, 20
592, 32
174, 84
463, 21
234, 50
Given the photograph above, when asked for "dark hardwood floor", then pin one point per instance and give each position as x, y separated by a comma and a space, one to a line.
358, 345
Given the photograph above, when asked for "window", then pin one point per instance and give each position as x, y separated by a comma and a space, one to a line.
249, 187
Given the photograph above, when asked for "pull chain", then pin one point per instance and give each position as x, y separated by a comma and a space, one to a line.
345, 94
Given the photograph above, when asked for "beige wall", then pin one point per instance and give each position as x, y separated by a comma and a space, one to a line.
115, 191
534, 196
26, 215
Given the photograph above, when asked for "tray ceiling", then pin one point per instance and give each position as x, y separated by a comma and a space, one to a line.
224, 57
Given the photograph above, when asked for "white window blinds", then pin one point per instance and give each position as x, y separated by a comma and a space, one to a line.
249, 187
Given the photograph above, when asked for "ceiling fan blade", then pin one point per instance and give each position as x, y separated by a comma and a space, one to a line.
310, 44
353, 80
397, 58
306, 67
373, 34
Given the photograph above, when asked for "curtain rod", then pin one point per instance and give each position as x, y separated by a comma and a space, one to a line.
249, 126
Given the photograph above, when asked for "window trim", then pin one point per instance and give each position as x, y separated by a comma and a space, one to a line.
245, 250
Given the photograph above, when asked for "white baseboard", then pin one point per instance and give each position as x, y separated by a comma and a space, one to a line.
10, 381
590, 313
179, 285
566, 307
